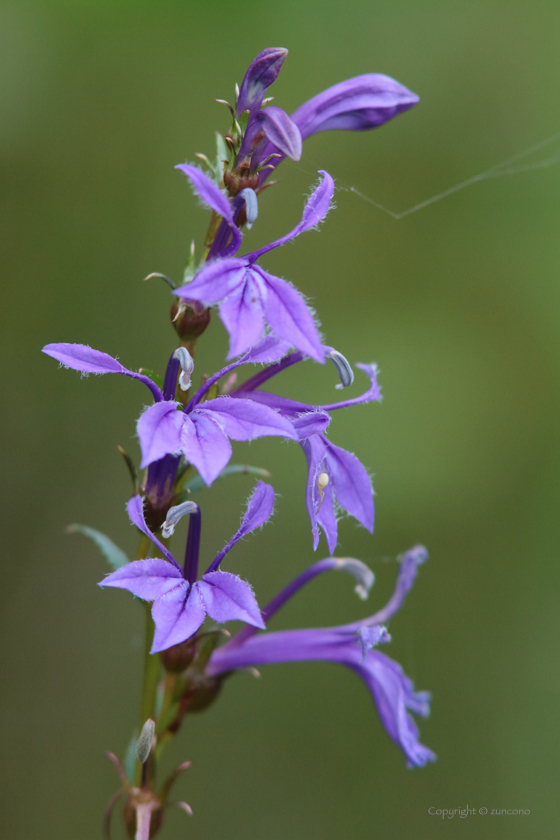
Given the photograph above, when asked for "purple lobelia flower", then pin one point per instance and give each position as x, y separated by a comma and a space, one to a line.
181, 602
351, 645
357, 104
202, 431
336, 478
250, 297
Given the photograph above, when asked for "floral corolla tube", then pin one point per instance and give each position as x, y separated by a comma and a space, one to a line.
352, 645
181, 602
250, 297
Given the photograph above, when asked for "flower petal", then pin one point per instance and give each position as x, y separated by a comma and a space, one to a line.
262, 72
135, 508
228, 598
147, 579
204, 444
351, 484
214, 281
289, 318
260, 506
177, 616
315, 210
159, 432
207, 190
87, 360
354, 105
280, 130
246, 420
242, 315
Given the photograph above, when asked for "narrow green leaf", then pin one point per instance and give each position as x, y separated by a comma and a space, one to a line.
112, 553
197, 483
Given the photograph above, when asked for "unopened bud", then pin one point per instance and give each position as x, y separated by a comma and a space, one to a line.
188, 323
144, 743
177, 658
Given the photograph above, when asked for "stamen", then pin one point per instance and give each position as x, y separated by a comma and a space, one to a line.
187, 366
362, 573
174, 514
251, 205
343, 368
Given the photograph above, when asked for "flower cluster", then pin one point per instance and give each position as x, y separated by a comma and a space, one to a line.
185, 441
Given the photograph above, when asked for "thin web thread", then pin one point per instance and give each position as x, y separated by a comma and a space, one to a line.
499, 170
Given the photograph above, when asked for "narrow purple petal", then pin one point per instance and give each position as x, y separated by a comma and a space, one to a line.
246, 420
147, 579
354, 105
87, 360
262, 72
351, 484
389, 686
177, 616
280, 130
228, 598
83, 358
362, 575
409, 563
289, 318
373, 393
135, 507
159, 430
242, 314
207, 190
260, 506
315, 210
204, 444
214, 281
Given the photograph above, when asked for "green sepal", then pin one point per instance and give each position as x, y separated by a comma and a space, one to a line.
197, 483
155, 377
222, 154
115, 557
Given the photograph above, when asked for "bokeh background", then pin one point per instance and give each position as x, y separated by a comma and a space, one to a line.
458, 303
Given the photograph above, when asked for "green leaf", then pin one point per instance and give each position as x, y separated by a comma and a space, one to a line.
155, 377
197, 483
112, 553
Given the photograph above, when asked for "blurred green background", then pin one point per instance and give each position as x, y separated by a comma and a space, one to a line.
460, 306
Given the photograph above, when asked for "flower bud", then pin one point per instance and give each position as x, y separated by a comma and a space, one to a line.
178, 657
188, 323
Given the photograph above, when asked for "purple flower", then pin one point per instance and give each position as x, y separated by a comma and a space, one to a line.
336, 478
181, 602
202, 431
262, 72
249, 297
351, 645
356, 104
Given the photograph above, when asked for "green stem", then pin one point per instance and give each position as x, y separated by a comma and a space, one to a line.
151, 665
